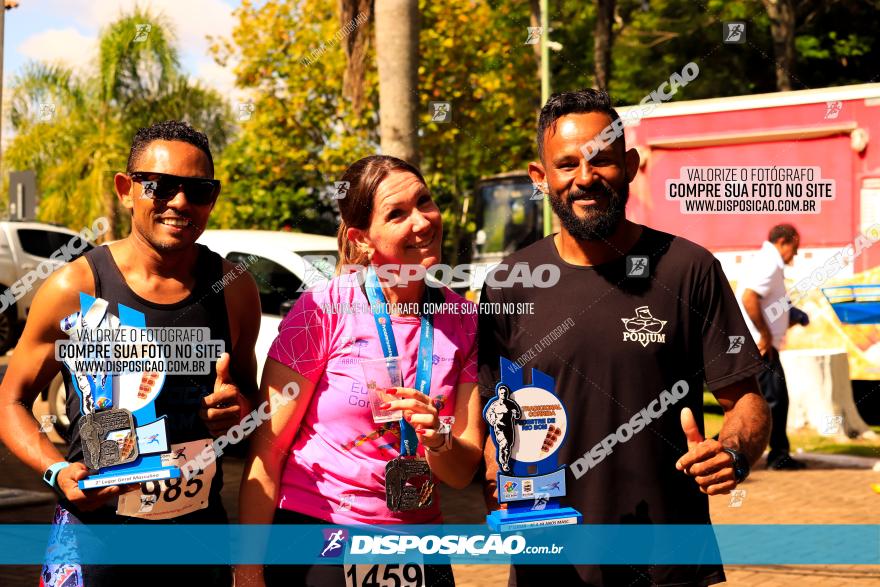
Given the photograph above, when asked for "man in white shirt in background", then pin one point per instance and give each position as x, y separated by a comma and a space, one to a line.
763, 285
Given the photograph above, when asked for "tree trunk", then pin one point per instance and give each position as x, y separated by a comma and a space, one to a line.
781, 13
603, 39
357, 14
397, 58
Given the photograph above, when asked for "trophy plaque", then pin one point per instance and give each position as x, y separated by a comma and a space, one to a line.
528, 425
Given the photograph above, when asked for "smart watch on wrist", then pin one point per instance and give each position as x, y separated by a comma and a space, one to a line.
50, 476
740, 464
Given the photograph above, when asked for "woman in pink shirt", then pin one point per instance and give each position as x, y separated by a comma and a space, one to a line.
323, 459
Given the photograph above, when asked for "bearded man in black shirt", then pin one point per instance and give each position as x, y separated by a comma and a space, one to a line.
652, 312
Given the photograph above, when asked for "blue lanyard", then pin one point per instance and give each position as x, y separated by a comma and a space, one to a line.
409, 442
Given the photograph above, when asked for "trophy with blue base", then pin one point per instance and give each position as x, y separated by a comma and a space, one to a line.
528, 425
122, 439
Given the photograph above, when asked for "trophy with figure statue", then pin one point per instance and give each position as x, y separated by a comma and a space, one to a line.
528, 425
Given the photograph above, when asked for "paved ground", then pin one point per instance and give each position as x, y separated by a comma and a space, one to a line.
819, 495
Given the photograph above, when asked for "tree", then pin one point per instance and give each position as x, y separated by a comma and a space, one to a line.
309, 122
74, 129
356, 47
602, 42
397, 59
303, 133
299, 133
781, 13
475, 57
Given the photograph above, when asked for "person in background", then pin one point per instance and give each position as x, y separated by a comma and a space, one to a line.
763, 286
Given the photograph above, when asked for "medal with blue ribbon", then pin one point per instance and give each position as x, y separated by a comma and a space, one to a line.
408, 483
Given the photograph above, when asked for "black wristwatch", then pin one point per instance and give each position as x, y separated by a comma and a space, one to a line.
740, 464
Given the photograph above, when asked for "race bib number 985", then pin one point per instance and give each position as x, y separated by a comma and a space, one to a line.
171, 498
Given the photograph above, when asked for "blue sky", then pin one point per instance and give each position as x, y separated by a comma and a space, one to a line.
66, 31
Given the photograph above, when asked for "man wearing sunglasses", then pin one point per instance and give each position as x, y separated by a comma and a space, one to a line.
160, 271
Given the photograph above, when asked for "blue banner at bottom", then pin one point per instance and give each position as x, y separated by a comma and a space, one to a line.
169, 544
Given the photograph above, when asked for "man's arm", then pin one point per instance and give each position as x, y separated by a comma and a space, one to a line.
746, 425
746, 429
796, 316
32, 367
752, 303
235, 390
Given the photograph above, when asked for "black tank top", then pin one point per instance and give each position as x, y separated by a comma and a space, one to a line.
180, 397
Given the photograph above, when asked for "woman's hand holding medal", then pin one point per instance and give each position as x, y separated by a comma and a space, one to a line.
419, 412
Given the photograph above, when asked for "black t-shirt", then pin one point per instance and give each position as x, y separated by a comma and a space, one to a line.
614, 344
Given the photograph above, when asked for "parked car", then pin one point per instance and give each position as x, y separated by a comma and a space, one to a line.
29, 253
24, 247
280, 262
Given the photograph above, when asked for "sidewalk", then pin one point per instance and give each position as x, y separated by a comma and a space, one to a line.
822, 494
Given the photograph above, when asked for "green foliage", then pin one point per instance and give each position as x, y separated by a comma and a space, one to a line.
836, 43
74, 129
475, 57
301, 135
654, 43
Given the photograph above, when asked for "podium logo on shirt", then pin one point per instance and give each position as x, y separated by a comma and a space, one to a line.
644, 328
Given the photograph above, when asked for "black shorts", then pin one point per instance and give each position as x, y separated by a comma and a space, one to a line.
332, 575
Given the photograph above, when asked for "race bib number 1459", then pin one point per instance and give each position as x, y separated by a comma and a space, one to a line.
385, 575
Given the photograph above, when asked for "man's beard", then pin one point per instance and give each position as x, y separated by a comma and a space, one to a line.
596, 225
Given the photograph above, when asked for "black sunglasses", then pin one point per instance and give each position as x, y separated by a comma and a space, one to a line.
162, 186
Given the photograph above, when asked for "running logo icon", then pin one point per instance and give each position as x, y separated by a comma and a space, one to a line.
832, 109
537, 192
737, 496
644, 328
440, 111
736, 344
735, 32
334, 543
534, 35
143, 31
637, 266
340, 189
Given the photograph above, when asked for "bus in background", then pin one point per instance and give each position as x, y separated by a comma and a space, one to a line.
509, 216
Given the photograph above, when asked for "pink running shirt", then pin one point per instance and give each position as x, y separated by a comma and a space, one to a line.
336, 467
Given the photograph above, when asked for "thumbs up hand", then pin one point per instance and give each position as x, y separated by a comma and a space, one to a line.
705, 461
226, 406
